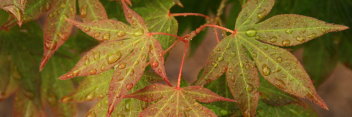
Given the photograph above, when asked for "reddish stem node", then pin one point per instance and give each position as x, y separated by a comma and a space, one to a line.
188, 14
181, 66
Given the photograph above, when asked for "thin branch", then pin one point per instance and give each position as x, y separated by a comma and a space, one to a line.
181, 66
172, 46
188, 14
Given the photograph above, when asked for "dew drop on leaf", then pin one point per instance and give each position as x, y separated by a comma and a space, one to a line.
273, 39
86, 29
266, 70
155, 64
251, 33
289, 31
301, 39
93, 71
97, 35
286, 42
113, 58
129, 86
75, 73
89, 97
106, 36
121, 34
122, 66
83, 11
139, 32
50, 46
220, 58
279, 59
66, 99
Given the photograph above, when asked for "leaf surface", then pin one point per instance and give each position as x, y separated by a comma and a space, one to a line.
56, 28
92, 10
241, 74
291, 30
238, 54
127, 52
15, 7
176, 102
157, 19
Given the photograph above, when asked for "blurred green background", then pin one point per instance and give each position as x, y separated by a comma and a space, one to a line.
327, 59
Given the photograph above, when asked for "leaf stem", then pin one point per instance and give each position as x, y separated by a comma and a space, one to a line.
185, 49
188, 14
167, 34
172, 46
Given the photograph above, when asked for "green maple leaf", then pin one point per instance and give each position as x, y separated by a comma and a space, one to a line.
179, 102
251, 48
15, 7
96, 88
56, 28
125, 48
92, 10
33, 10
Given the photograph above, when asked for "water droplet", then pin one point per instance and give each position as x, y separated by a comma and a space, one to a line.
139, 32
220, 58
273, 39
266, 70
66, 99
84, 11
251, 33
93, 71
97, 55
127, 106
289, 31
260, 16
155, 64
89, 97
106, 36
113, 58
50, 45
122, 66
129, 86
47, 6
301, 39
97, 35
86, 29
121, 34
279, 59
75, 73
62, 5
286, 42
313, 35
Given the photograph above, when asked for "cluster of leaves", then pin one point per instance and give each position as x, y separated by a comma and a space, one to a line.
118, 66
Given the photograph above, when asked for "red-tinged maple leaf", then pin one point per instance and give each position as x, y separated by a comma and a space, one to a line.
124, 48
91, 10
56, 28
15, 7
251, 48
176, 102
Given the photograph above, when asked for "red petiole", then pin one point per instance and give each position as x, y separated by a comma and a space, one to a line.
188, 14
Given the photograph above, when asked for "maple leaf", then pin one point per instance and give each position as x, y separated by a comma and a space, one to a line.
251, 48
33, 10
176, 102
124, 48
56, 28
92, 10
15, 7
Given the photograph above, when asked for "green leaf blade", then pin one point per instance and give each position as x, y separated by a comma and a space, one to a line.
253, 11
283, 70
291, 30
243, 81
92, 10
56, 28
